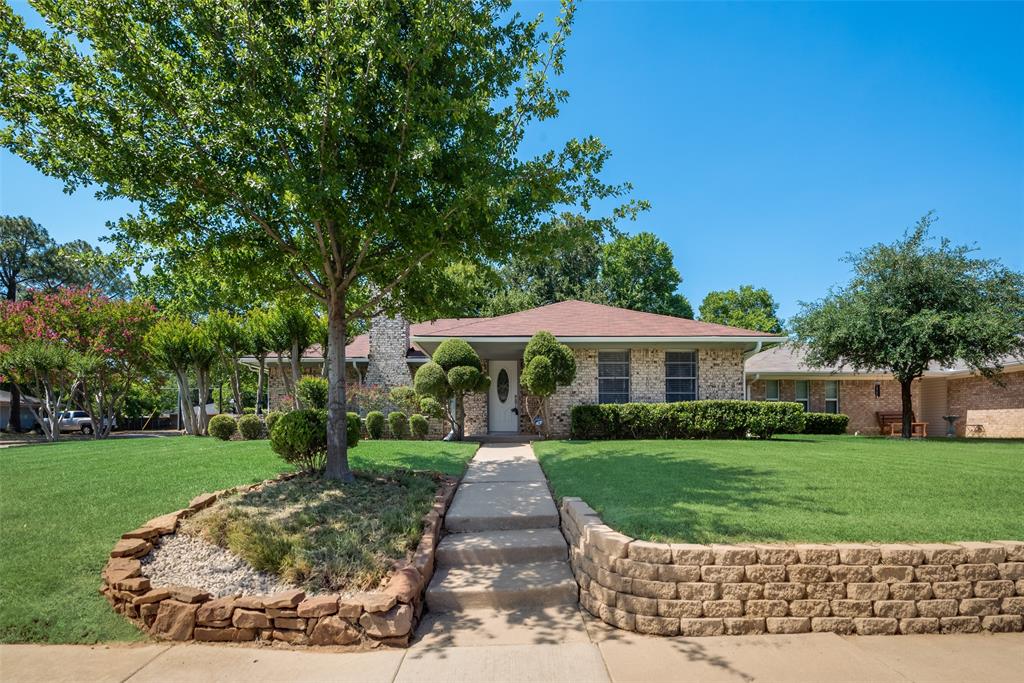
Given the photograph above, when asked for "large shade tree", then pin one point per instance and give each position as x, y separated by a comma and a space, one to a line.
357, 146
637, 273
747, 307
915, 302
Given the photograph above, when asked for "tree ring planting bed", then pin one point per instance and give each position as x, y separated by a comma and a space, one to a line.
385, 616
848, 588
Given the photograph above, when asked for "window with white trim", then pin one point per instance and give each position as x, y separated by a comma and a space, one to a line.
771, 390
613, 376
680, 376
832, 396
802, 393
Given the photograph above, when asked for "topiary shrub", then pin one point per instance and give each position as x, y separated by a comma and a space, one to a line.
547, 365
687, 420
375, 424
270, 418
398, 423
353, 429
300, 438
419, 426
825, 423
251, 427
312, 392
453, 372
404, 398
222, 427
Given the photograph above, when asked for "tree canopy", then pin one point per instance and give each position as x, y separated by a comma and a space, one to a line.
637, 273
746, 307
916, 302
361, 148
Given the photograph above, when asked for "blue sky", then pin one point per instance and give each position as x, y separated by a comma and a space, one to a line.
771, 139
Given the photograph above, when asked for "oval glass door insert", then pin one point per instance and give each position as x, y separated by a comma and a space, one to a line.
503, 385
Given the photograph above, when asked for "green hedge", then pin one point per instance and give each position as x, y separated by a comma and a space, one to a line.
825, 423
687, 420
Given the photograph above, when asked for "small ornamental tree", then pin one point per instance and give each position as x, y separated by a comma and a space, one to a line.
259, 332
910, 304
293, 328
453, 372
231, 340
547, 365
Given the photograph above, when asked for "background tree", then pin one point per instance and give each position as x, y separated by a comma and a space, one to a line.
229, 336
172, 342
453, 372
637, 273
24, 247
912, 303
355, 146
547, 365
293, 330
259, 330
746, 307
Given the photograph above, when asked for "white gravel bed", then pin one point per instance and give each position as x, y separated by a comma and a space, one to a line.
186, 560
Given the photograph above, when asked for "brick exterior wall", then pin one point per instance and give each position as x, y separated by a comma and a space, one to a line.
719, 373
987, 409
699, 590
389, 344
856, 399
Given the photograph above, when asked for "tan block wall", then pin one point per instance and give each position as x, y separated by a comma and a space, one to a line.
696, 590
987, 409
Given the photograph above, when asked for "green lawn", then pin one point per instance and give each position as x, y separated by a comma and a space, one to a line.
803, 488
62, 507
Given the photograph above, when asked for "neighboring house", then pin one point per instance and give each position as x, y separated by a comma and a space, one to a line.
27, 419
621, 356
983, 407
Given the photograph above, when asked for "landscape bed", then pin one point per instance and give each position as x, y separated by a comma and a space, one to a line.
65, 505
796, 488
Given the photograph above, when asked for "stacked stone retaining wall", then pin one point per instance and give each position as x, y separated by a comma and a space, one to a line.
693, 590
384, 617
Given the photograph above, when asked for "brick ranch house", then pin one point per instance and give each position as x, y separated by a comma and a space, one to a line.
984, 408
621, 356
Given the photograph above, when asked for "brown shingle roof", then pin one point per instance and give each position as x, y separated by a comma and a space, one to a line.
584, 319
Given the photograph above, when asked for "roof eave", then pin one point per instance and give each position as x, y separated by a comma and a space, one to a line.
689, 339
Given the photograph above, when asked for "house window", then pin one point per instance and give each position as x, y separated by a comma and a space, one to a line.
680, 376
832, 396
771, 390
800, 388
613, 376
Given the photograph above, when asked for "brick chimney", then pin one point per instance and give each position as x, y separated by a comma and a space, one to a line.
389, 344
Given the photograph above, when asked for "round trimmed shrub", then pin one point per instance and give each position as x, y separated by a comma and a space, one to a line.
398, 423
353, 429
453, 353
222, 427
375, 424
300, 438
312, 392
270, 418
251, 427
419, 426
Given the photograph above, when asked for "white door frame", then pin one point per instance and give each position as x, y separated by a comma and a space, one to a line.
500, 416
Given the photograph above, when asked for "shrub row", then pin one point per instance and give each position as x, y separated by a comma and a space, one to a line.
687, 420
825, 423
224, 426
398, 424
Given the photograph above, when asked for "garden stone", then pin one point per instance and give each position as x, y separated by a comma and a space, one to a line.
175, 620
289, 599
318, 606
245, 618
395, 622
333, 630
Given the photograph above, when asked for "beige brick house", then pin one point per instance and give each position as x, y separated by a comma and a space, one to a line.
621, 356
984, 408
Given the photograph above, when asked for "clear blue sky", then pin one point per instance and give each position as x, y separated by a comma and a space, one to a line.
770, 138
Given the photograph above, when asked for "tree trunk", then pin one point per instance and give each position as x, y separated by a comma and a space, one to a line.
14, 424
202, 389
259, 385
297, 373
459, 428
337, 418
236, 387
188, 415
12, 287
908, 407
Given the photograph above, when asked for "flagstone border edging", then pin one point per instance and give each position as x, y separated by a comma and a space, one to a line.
850, 588
382, 617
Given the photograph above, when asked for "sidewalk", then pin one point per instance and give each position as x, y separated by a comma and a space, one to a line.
617, 657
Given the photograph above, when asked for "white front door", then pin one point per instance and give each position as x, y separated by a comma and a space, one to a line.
503, 400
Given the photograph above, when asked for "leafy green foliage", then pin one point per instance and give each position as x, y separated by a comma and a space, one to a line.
398, 425
300, 438
453, 353
375, 424
271, 419
637, 273
912, 303
547, 365
312, 392
825, 423
405, 398
223, 427
746, 307
538, 378
419, 426
431, 407
687, 420
431, 381
454, 372
250, 427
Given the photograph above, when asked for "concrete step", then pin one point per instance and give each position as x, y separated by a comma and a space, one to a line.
502, 586
490, 506
474, 627
502, 547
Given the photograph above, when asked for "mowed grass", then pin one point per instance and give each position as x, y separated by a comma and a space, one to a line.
63, 506
802, 488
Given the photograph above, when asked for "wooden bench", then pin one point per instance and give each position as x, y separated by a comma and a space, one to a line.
891, 424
